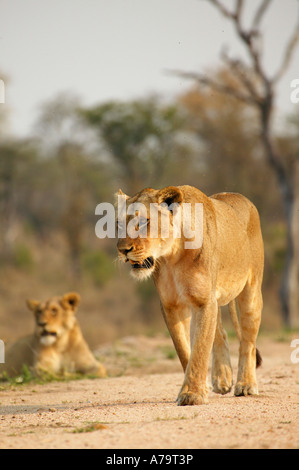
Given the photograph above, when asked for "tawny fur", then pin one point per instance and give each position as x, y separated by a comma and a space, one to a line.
57, 345
193, 284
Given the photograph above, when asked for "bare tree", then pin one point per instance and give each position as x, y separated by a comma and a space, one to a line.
258, 89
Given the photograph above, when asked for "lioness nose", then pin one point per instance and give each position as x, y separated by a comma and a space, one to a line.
41, 323
125, 251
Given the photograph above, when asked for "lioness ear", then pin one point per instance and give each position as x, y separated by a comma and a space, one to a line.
119, 193
170, 195
71, 301
32, 304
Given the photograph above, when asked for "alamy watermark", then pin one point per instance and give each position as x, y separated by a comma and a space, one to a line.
294, 96
295, 353
2, 91
2, 352
160, 220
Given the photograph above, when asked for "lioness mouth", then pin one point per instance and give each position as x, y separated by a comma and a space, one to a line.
48, 333
146, 264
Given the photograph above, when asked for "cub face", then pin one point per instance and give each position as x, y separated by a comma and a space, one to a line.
54, 317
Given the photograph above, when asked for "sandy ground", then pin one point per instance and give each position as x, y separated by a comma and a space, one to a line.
137, 410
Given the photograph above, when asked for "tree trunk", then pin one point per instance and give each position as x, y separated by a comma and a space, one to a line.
289, 293
294, 265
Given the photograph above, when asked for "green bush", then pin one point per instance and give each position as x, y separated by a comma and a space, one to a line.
98, 265
22, 257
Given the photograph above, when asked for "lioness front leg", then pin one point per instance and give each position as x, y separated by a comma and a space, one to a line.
194, 390
177, 319
48, 363
222, 375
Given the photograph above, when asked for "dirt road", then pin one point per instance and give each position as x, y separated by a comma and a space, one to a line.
138, 410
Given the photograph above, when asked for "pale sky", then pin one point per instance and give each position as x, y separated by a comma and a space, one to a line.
120, 49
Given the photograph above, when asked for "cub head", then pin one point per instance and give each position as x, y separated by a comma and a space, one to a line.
146, 227
55, 317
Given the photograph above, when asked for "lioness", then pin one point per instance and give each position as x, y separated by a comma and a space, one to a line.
194, 283
57, 345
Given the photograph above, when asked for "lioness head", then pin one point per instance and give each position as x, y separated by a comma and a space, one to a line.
145, 227
55, 317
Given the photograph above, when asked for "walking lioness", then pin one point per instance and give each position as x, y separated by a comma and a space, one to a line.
193, 283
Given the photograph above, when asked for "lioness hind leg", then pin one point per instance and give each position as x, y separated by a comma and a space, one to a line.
250, 305
222, 376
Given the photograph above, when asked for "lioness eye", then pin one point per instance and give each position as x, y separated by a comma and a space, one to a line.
54, 310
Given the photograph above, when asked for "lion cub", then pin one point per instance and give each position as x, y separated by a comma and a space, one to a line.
57, 344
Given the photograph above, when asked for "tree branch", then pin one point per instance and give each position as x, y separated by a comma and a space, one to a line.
263, 100
222, 8
239, 70
220, 87
260, 13
246, 36
288, 54
239, 8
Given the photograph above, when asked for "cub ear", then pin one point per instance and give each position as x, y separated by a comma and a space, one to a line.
170, 195
32, 304
120, 193
71, 301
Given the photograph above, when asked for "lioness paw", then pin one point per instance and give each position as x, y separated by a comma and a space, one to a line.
101, 371
221, 385
244, 389
222, 379
189, 399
